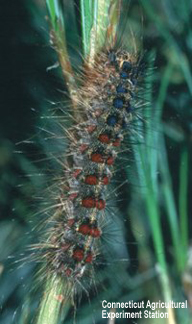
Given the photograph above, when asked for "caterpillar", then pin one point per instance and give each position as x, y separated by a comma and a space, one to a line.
106, 103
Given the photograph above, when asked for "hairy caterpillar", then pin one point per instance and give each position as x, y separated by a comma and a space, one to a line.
107, 102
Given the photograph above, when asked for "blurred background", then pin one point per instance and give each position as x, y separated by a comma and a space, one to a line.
154, 206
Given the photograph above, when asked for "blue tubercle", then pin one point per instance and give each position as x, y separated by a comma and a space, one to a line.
124, 75
126, 66
118, 103
112, 120
121, 89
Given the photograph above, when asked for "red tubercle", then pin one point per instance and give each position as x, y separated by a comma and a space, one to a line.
100, 204
97, 158
105, 180
104, 138
95, 232
68, 272
110, 160
91, 128
91, 180
117, 142
89, 258
84, 229
88, 202
83, 147
76, 172
70, 222
78, 255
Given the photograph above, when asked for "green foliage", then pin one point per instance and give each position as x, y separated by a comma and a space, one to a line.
56, 14
86, 23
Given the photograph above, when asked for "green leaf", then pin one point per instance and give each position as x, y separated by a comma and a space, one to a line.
169, 38
86, 23
56, 12
99, 23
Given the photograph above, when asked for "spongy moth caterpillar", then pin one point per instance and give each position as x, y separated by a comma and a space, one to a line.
105, 102
106, 107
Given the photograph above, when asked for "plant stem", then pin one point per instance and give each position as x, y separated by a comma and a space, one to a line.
183, 203
55, 304
58, 39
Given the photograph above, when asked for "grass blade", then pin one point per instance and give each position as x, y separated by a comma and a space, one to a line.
55, 10
183, 202
87, 22
169, 38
